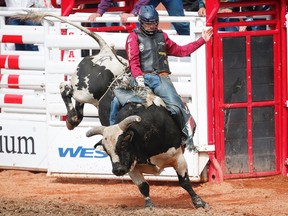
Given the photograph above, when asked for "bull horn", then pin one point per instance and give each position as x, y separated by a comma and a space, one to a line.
124, 124
95, 131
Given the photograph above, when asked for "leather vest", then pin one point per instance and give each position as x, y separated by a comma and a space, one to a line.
153, 56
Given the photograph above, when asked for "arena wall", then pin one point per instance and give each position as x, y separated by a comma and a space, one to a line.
33, 135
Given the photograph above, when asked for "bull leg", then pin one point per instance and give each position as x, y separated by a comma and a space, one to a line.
72, 120
79, 107
184, 181
143, 186
186, 184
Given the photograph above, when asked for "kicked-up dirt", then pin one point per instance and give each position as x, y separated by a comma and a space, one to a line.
26, 193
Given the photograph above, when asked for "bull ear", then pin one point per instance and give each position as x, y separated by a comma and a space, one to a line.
98, 144
95, 131
129, 136
124, 124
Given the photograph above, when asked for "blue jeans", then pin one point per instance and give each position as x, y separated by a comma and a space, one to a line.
27, 47
115, 107
174, 8
164, 88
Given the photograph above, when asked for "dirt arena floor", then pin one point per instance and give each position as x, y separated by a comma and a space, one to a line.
26, 193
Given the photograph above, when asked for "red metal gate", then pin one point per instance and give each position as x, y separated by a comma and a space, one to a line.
248, 117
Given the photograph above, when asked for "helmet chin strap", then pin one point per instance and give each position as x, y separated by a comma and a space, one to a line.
147, 32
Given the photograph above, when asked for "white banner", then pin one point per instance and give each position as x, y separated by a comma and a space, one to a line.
71, 152
23, 144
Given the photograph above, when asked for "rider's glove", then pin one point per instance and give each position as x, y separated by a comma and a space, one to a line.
140, 81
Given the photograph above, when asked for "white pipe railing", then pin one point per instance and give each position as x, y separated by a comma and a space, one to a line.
44, 103
72, 42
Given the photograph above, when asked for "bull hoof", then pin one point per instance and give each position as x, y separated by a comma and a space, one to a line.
69, 126
199, 203
72, 122
207, 207
149, 204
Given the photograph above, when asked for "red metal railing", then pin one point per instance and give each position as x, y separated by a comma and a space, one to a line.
72, 6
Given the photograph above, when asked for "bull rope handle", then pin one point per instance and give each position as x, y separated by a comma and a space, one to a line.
111, 84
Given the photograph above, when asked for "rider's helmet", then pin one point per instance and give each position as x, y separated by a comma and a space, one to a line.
148, 16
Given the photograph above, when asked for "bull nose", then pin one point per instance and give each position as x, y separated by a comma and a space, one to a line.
119, 170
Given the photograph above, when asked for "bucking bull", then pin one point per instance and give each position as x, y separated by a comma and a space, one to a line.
144, 132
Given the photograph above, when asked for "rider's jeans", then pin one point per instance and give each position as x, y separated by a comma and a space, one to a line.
115, 106
164, 88
174, 104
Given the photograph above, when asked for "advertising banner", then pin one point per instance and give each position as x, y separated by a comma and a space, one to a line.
72, 153
23, 144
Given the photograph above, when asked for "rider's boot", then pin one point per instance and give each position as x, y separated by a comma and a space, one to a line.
187, 138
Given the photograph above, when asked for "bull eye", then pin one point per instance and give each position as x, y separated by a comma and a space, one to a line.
105, 138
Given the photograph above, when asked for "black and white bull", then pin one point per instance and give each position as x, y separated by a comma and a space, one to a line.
92, 77
144, 133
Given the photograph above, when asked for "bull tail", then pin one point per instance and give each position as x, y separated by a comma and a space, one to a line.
37, 17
